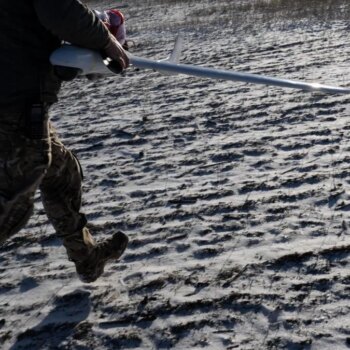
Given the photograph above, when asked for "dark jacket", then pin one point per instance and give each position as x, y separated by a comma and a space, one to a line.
29, 31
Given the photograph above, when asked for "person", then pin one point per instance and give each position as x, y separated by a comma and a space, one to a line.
31, 155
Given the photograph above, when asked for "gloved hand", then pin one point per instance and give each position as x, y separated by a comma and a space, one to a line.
116, 52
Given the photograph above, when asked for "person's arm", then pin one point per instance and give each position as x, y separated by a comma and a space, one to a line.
72, 21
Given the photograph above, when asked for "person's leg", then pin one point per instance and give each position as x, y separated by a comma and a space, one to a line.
61, 195
23, 163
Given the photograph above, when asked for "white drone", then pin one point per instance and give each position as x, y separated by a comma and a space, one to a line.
89, 62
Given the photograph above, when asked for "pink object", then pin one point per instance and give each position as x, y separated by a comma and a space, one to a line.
115, 22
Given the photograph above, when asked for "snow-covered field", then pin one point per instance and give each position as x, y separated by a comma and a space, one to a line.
235, 197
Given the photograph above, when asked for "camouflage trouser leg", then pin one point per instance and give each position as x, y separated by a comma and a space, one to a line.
61, 195
23, 163
27, 164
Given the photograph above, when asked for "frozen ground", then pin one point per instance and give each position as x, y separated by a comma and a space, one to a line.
235, 196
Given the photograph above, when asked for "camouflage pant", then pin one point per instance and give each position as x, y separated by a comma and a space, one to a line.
25, 166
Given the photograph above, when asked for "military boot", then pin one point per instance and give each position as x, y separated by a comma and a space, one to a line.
90, 257
92, 266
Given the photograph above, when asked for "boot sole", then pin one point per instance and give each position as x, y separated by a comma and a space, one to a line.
121, 240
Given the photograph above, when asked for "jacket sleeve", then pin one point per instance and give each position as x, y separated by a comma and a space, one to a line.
72, 21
